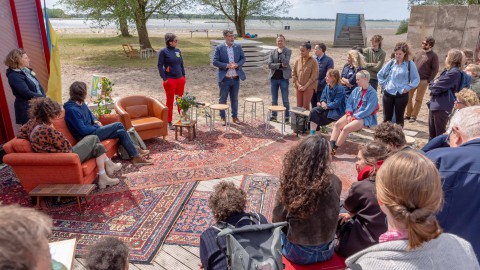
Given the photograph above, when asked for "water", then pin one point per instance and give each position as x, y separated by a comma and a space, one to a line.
160, 24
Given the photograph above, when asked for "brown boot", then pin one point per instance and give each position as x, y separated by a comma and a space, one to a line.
139, 160
104, 181
141, 151
111, 167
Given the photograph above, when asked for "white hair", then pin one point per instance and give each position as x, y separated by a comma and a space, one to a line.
467, 120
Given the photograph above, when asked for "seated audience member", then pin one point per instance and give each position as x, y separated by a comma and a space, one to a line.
362, 106
44, 138
355, 63
392, 135
81, 122
464, 98
332, 102
460, 171
24, 237
108, 253
364, 222
474, 72
308, 190
409, 192
227, 203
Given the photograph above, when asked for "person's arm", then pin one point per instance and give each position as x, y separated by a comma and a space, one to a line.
241, 61
59, 141
74, 121
279, 213
414, 77
18, 83
377, 66
338, 99
445, 82
371, 105
271, 61
382, 74
351, 107
353, 79
216, 59
313, 75
352, 202
160, 65
285, 57
324, 97
181, 63
294, 74
434, 67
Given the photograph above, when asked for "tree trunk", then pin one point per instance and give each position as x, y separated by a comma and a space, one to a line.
141, 23
240, 26
122, 22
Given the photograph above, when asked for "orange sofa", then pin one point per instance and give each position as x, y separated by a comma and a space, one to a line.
34, 169
147, 115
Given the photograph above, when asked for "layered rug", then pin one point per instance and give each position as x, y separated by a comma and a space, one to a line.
196, 216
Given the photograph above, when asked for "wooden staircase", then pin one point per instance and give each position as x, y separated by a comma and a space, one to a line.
350, 36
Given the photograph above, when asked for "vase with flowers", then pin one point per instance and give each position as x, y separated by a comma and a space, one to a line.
185, 102
104, 102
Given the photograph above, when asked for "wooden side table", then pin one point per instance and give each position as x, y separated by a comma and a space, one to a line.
190, 127
63, 190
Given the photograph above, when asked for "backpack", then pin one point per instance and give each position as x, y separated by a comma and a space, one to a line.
137, 141
252, 247
299, 122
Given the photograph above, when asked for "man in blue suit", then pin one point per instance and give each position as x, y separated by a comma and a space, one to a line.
229, 58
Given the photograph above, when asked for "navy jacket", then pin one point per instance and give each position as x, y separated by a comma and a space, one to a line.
220, 60
349, 72
460, 171
324, 64
443, 89
23, 89
80, 120
335, 99
170, 63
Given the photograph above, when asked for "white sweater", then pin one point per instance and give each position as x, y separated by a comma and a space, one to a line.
448, 252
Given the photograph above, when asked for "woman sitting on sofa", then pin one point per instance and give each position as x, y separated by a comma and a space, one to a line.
44, 138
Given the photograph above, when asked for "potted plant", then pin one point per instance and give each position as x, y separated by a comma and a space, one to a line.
103, 102
185, 102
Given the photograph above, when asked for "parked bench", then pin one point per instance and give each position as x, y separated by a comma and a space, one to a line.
198, 30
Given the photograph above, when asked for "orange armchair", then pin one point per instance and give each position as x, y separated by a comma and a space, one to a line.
147, 115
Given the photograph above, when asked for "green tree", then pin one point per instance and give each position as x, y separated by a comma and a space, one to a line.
443, 2
238, 11
56, 13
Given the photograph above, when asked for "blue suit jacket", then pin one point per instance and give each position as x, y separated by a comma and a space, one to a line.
220, 60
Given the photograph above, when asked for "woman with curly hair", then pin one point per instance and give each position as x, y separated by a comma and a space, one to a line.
109, 253
363, 222
308, 199
227, 203
409, 192
355, 63
44, 138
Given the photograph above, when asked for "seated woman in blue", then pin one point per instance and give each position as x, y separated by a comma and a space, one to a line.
332, 102
362, 107
355, 63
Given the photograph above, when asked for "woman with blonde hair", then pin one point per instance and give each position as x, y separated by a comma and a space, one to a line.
308, 199
355, 63
442, 93
305, 76
409, 192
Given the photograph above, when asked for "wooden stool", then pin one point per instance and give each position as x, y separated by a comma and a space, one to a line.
277, 109
254, 101
206, 108
190, 135
220, 107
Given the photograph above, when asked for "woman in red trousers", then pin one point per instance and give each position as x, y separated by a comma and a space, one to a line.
170, 66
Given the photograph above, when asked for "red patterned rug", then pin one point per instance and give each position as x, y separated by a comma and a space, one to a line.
196, 216
142, 217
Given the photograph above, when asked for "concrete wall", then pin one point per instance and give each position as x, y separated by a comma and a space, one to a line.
451, 26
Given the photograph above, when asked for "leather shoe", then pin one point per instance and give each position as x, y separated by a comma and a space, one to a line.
236, 120
224, 122
139, 160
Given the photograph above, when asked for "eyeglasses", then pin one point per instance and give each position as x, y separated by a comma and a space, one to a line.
447, 140
425, 43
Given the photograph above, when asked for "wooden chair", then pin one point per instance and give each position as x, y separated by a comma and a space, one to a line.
129, 50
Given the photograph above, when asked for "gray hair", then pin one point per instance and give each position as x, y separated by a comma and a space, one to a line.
226, 32
467, 120
169, 37
365, 74
22, 235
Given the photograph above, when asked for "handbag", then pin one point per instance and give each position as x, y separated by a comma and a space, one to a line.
137, 141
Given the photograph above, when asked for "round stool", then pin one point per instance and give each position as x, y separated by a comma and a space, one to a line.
277, 109
220, 107
410, 140
254, 101
206, 108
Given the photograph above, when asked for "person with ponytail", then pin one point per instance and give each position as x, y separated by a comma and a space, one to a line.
409, 192
305, 76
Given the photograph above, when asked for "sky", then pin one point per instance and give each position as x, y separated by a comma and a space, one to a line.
373, 9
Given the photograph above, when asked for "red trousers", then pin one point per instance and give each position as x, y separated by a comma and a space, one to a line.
173, 87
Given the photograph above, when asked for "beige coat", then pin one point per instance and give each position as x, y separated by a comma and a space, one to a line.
305, 72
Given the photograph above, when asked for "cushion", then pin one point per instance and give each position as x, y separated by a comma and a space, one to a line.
61, 126
137, 111
146, 123
21, 146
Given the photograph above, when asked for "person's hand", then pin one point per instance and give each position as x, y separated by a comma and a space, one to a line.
200, 266
324, 105
405, 91
279, 50
99, 123
284, 65
302, 88
349, 118
318, 104
344, 217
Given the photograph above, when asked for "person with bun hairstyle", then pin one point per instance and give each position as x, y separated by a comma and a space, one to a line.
409, 192
305, 76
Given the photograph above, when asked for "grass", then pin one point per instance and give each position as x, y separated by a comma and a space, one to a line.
108, 51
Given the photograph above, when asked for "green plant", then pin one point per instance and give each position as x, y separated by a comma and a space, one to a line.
104, 99
403, 27
186, 101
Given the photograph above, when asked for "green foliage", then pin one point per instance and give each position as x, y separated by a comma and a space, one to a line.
186, 101
56, 13
104, 99
402, 28
442, 2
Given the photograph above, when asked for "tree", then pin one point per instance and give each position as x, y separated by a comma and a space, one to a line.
238, 11
442, 2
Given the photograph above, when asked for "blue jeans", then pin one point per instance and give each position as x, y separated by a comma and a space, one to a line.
283, 84
299, 254
117, 130
229, 87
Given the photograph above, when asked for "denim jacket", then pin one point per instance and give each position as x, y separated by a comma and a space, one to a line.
335, 99
394, 78
369, 104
